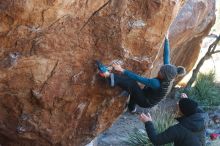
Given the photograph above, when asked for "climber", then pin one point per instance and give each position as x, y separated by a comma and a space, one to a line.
190, 131
155, 88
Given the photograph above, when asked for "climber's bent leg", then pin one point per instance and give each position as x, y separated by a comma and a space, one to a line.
137, 95
127, 84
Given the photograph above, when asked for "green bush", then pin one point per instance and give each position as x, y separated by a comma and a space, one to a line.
162, 120
206, 91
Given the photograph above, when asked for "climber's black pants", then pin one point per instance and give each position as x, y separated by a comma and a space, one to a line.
137, 95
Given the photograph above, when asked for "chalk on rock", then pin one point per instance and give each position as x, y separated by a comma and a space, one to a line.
136, 24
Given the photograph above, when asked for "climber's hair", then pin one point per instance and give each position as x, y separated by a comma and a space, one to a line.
181, 71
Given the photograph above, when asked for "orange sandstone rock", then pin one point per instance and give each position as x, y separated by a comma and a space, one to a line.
49, 91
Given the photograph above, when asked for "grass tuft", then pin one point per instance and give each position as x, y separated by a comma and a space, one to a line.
205, 91
162, 121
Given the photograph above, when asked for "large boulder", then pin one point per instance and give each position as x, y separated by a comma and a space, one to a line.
49, 91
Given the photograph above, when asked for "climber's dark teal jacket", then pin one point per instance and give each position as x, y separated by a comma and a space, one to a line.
154, 83
190, 131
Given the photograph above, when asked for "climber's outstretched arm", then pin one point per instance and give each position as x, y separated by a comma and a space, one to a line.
151, 82
166, 53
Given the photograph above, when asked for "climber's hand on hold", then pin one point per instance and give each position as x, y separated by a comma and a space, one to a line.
167, 34
118, 67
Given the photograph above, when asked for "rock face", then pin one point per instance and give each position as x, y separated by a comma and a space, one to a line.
49, 91
198, 17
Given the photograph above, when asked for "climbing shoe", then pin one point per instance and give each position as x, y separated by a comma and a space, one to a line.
132, 108
125, 94
102, 68
133, 111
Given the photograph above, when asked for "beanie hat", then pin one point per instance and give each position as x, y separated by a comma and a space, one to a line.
188, 106
169, 71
